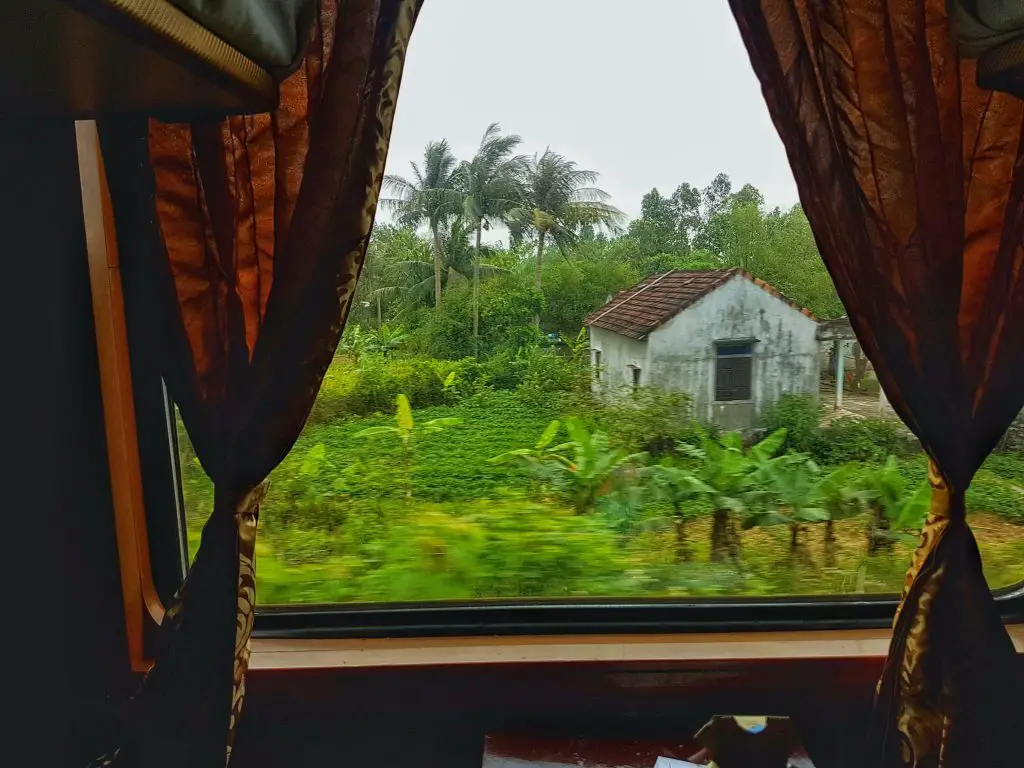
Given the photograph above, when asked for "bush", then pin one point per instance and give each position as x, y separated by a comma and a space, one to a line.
507, 305
864, 440
372, 386
546, 372
800, 416
844, 440
1009, 466
574, 289
647, 419
990, 493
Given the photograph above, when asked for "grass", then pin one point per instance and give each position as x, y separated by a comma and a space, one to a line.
336, 526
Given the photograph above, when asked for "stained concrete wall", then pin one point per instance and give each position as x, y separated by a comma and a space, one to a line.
618, 353
680, 355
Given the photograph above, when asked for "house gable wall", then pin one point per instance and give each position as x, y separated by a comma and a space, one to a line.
618, 353
682, 352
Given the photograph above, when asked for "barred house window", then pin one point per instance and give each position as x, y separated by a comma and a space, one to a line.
733, 371
597, 364
636, 375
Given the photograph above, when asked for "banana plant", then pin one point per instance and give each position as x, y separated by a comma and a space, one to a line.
844, 498
898, 512
585, 467
449, 385
729, 475
797, 493
406, 430
354, 342
680, 488
541, 452
590, 467
579, 347
386, 339
540, 456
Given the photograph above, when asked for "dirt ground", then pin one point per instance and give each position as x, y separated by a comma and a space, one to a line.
855, 405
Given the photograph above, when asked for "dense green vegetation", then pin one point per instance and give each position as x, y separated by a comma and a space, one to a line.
456, 450
489, 502
480, 250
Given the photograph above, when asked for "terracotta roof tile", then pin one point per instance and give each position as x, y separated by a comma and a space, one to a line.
658, 298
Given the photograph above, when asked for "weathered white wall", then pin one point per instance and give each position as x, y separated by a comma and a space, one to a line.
681, 353
618, 352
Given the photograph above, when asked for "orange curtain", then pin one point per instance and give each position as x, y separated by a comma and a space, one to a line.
913, 180
263, 222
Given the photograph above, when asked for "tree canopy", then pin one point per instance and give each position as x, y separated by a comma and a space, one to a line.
546, 200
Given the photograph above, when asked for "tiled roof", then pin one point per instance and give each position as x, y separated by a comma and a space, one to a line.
656, 299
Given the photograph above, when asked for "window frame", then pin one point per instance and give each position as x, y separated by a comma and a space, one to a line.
718, 346
635, 372
164, 516
582, 616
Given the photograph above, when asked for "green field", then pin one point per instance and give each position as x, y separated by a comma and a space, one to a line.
338, 525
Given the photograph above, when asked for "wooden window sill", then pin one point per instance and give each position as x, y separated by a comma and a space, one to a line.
270, 654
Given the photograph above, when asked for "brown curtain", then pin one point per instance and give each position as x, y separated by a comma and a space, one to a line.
913, 181
262, 223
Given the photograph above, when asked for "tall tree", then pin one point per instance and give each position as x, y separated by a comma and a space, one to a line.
716, 195
491, 184
749, 195
558, 200
686, 205
383, 276
431, 197
715, 200
655, 241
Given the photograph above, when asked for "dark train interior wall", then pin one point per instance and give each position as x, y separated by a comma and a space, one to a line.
389, 717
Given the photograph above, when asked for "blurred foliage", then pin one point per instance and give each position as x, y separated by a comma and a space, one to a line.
843, 440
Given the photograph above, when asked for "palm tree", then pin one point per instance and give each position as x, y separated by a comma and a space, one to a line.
416, 278
492, 186
384, 275
431, 197
558, 200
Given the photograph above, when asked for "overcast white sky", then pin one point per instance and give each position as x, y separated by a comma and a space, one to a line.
648, 93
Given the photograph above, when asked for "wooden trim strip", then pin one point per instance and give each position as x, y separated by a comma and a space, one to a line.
178, 29
270, 654
137, 586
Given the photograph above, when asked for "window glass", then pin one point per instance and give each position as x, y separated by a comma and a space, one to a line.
728, 350
532, 463
732, 378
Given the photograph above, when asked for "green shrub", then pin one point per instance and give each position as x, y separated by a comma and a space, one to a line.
1009, 466
990, 493
372, 386
303, 546
546, 371
574, 289
507, 305
800, 416
504, 370
864, 440
647, 419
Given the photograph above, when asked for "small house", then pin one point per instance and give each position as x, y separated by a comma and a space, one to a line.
731, 341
